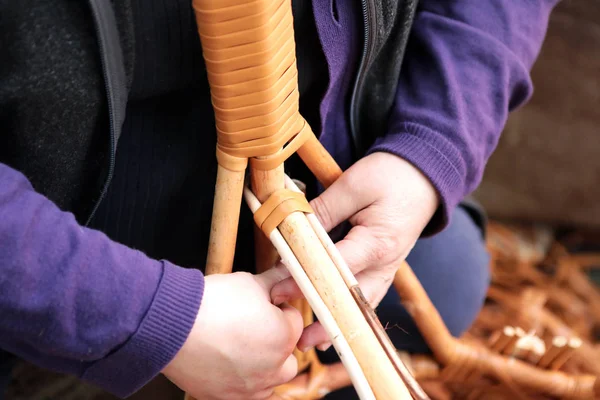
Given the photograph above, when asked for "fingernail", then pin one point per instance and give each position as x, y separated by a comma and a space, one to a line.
305, 349
278, 300
324, 346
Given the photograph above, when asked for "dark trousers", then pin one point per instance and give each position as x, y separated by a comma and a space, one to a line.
453, 268
7, 362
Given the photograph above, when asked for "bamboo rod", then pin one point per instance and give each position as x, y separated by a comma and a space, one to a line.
225, 221
381, 374
264, 183
379, 371
319, 161
498, 343
321, 309
369, 314
566, 354
558, 343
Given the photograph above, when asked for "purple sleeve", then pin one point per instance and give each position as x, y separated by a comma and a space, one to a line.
74, 301
467, 65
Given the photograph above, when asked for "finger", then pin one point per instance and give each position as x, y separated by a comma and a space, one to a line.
288, 370
324, 346
360, 249
313, 335
272, 276
374, 284
293, 318
263, 395
285, 291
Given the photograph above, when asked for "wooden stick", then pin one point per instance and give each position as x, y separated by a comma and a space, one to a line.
558, 343
566, 354
319, 161
324, 314
497, 344
366, 309
264, 183
381, 374
379, 371
507, 335
509, 348
585, 355
225, 221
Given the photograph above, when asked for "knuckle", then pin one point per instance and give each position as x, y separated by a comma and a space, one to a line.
385, 248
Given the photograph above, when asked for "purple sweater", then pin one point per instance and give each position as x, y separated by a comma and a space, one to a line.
73, 300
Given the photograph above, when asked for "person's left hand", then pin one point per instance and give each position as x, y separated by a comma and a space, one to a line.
389, 202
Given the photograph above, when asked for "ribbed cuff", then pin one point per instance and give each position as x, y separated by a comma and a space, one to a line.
436, 158
158, 338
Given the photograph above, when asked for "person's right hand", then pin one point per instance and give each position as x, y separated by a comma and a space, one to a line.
241, 345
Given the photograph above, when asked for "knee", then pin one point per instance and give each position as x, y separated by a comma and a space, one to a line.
453, 268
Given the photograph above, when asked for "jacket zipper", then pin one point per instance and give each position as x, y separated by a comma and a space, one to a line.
102, 37
365, 60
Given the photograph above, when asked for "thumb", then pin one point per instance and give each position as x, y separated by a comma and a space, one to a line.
272, 276
339, 202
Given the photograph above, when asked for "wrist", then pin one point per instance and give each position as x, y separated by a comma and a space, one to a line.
159, 337
437, 158
418, 191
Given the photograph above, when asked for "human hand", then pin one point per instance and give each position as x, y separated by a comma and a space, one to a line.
241, 345
389, 202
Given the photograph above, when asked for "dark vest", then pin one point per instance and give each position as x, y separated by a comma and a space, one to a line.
61, 128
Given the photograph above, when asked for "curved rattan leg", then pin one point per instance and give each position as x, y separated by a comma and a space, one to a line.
451, 352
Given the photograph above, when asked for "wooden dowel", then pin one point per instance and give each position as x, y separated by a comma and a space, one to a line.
566, 354
367, 311
586, 354
558, 343
225, 221
379, 371
506, 335
509, 348
497, 344
264, 183
323, 310
319, 161
428, 320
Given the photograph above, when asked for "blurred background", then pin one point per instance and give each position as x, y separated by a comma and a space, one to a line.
547, 165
